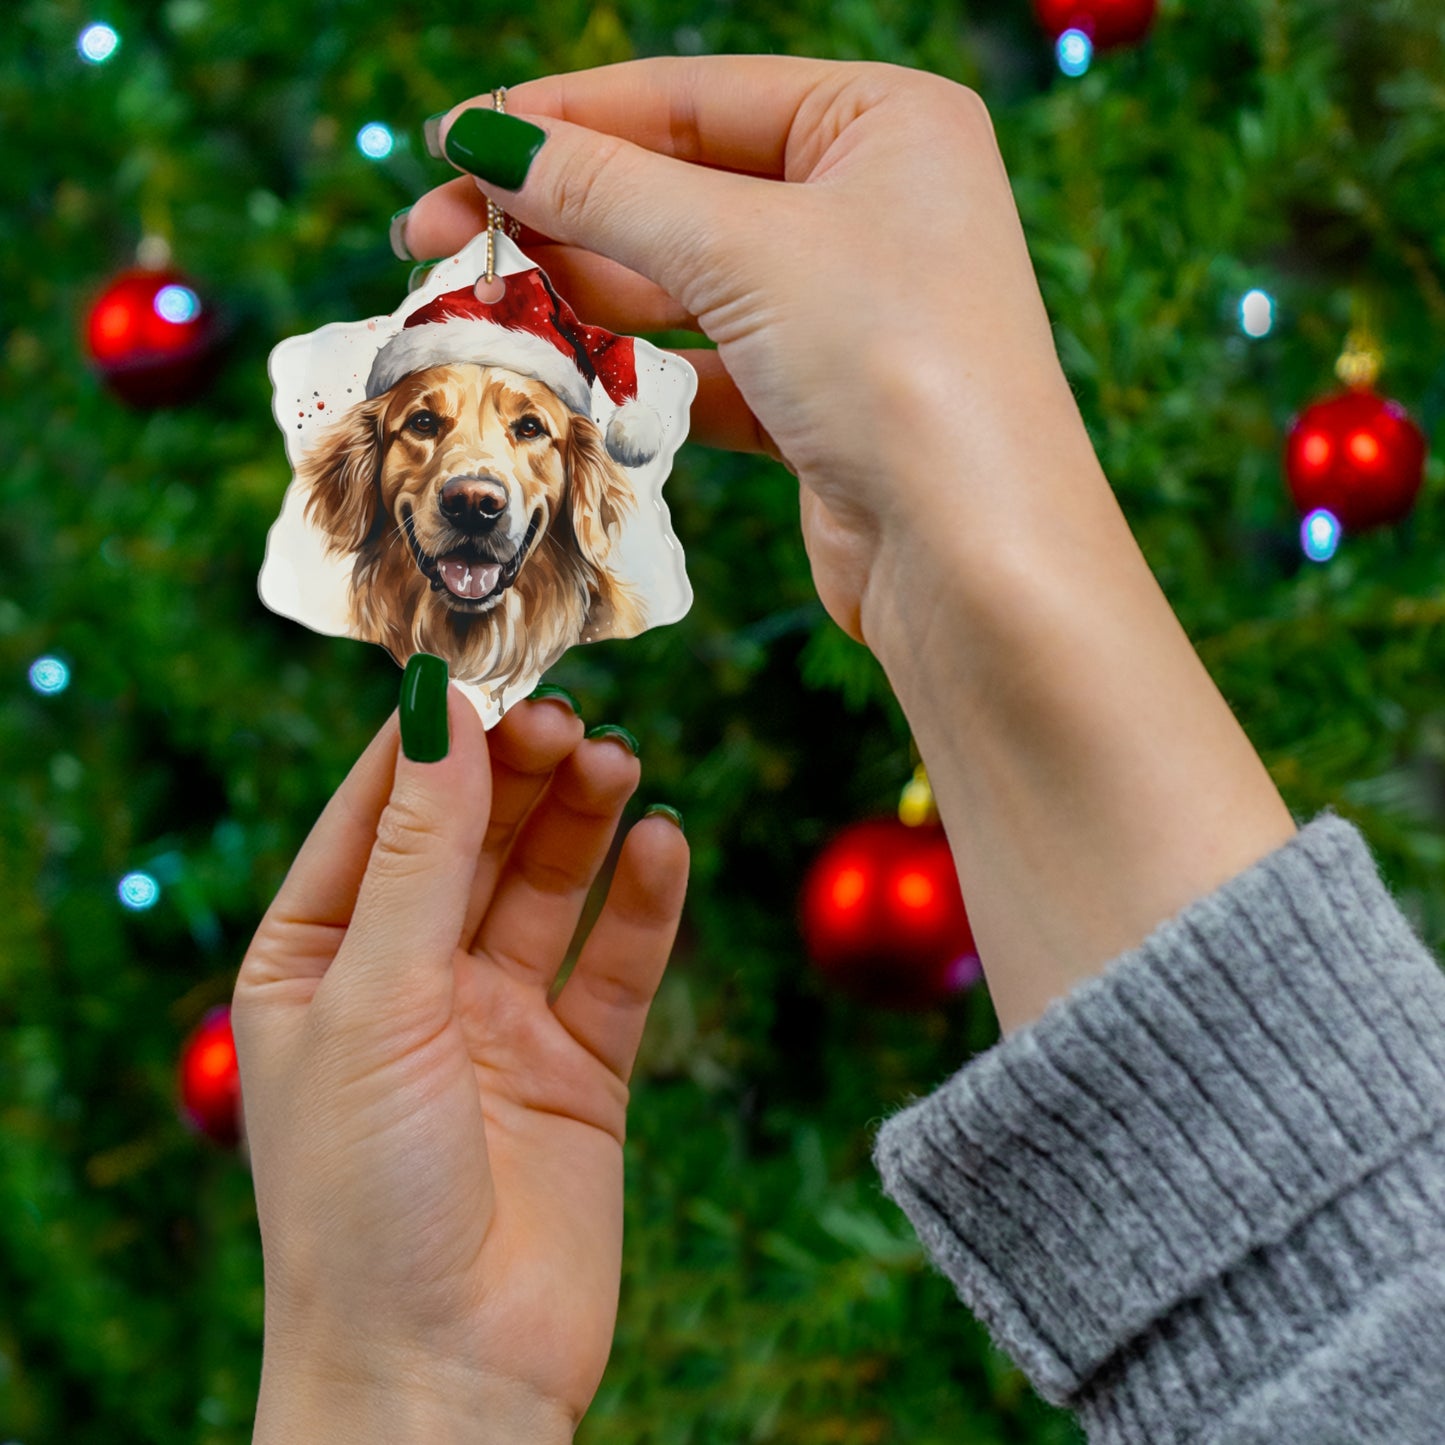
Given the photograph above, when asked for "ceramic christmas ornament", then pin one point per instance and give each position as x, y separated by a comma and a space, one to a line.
478, 475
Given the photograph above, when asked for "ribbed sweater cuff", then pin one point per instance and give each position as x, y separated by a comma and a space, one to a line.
1208, 1109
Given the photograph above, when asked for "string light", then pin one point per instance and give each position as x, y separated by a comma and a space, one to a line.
97, 43
1320, 535
1256, 313
49, 675
375, 141
966, 969
177, 304
138, 891
1075, 52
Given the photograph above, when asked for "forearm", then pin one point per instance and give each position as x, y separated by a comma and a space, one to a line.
1092, 779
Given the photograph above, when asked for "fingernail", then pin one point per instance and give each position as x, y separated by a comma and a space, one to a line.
397, 235
419, 273
498, 148
612, 730
548, 689
664, 811
424, 735
431, 133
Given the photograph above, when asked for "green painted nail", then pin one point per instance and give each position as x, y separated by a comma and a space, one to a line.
431, 133
549, 689
420, 272
396, 233
663, 810
612, 730
498, 148
424, 734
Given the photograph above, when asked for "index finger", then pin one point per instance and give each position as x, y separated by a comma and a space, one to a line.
733, 112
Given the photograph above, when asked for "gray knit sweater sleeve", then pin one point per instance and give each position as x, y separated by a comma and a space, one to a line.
1202, 1199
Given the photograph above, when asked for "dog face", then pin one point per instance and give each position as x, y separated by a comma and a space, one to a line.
481, 511
473, 468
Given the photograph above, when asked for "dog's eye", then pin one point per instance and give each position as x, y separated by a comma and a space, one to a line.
423, 423
529, 427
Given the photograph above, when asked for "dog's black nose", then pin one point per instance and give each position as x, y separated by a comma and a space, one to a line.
473, 503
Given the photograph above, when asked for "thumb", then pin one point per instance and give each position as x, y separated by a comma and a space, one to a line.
664, 218
407, 923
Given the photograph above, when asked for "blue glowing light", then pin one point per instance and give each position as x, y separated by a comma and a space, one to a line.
375, 140
177, 304
1320, 535
97, 44
1075, 52
49, 675
138, 891
1256, 313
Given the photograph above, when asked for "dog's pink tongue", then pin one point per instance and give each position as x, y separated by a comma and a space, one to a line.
469, 579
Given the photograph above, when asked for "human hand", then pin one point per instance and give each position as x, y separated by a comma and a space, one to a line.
878, 324
436, 1149
847, 235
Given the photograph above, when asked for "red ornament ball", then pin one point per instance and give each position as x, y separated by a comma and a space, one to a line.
1107, 23
883, 917
152, 338
210, 1081
1359, 456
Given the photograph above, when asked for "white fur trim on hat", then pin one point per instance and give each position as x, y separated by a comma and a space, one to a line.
634, 434
435, 343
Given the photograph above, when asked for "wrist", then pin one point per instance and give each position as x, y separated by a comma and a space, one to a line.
997, 471
322, 1402
1092, 779
959, 556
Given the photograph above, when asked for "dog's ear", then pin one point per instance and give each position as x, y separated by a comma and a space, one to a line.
341, 470
599, 494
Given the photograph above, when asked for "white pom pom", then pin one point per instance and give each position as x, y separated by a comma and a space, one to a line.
634, 434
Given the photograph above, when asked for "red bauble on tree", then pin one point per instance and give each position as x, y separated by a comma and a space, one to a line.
210, 1080
1107, 23
883, 917
1357, 455
152, 338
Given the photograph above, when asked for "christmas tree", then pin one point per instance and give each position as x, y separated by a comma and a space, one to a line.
1213, 210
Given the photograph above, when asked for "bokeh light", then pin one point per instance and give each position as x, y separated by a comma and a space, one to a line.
49, 675
1320, 535
914, 889
849, 887
177, 304
138, 891
375, 141
1256, 313
97, 43
1075, 52
1315, 451
1364, 448
964, 971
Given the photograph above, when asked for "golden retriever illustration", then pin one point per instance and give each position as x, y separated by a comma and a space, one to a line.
481, 511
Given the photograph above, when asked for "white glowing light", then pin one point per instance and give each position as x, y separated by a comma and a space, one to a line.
177, 304
1075, 52
97, 43
49, 675
1256, 313
1320, 535
375, 140
138, 891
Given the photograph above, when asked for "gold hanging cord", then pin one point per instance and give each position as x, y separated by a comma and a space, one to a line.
496, 216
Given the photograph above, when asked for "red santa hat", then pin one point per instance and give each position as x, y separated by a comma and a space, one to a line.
532, 331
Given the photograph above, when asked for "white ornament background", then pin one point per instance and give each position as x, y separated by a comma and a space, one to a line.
317, 377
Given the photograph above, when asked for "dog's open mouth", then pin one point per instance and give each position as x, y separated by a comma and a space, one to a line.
472, 583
